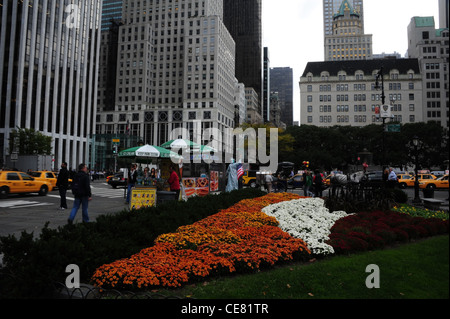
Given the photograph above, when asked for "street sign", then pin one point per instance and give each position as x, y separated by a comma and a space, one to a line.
393, 128
116, 140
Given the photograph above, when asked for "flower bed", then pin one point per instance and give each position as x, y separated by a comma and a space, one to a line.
307, 219
421, 212
374, 230
238, 239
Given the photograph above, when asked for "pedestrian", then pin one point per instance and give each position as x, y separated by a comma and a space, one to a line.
81, 189
174, 182
392, 178
269, 181
307, 183
63, 184
131, 181
318, 184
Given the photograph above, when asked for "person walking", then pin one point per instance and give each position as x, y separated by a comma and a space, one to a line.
392, 178
174, 182
269, 181
318, 183
132, 177
307, 180
62, 183
81, 189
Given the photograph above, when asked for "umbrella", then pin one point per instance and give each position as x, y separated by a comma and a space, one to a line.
148, 151
183, 143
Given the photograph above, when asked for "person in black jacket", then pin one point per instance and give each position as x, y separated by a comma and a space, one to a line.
81, 189
63, 184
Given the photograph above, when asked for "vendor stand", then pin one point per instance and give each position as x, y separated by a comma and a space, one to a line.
198, 178
150, 191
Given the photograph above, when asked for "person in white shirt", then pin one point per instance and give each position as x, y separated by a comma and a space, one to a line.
269, 180
392, 178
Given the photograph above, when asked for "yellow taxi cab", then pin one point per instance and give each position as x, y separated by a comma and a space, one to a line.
45, 176
405, 180
14, 182
426, 177
441, 182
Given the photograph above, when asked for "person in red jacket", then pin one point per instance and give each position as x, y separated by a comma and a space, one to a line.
174, 182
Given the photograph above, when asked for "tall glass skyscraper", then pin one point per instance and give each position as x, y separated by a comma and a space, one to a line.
111, 11
244, 22
48, 73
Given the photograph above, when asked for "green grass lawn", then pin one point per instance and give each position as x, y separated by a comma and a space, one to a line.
418, 270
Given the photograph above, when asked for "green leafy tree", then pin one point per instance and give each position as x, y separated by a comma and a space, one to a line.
28, 141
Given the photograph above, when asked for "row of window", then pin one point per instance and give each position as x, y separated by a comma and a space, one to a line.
356, 119
362, 97
356, 108
362, 87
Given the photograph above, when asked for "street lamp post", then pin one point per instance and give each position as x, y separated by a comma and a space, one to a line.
379, 76
416, 143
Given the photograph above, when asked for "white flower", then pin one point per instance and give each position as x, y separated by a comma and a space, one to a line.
308, 219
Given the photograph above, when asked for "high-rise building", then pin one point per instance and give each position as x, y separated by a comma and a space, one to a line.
281, 81
48, 72
347, 40
243, 19
175, 69
331, 7
431, 47
265, 101
444, 8
111, 11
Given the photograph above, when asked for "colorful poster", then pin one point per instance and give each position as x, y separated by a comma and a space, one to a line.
214, 181
198, 186
142, 197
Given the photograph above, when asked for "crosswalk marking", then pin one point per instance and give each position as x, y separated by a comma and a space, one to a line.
21, 204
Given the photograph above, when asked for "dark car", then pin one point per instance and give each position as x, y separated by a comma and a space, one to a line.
373, 179
295, 181
117, 180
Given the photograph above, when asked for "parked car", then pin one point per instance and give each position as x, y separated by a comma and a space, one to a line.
118, 180
372, 179
249, 179
440, 183
14, 182
295, 181
45, 176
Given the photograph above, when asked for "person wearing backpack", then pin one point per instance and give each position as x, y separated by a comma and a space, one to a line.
81, 189
318, 183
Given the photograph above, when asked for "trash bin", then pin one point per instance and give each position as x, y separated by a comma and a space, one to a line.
428, 193
164, 196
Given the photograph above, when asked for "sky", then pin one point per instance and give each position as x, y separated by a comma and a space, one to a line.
293, 31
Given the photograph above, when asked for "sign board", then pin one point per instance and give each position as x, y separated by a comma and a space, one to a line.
116, 140
385, 111
395, 128
142, 197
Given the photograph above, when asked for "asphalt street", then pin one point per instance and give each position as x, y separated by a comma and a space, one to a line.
30, 212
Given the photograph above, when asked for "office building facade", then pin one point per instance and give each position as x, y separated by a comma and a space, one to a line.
282, 81
431, 47
48, 72
175, 69
344, 92
331, 7
243, 19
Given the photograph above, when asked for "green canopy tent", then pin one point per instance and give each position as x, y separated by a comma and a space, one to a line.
146, 152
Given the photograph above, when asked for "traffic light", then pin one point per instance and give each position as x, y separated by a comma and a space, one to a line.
115, 149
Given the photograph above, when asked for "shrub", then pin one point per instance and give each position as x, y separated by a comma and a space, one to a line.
35, 263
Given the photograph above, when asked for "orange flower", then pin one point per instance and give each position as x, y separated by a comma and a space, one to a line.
239, 238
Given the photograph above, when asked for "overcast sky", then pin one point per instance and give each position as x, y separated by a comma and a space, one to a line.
293, 31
